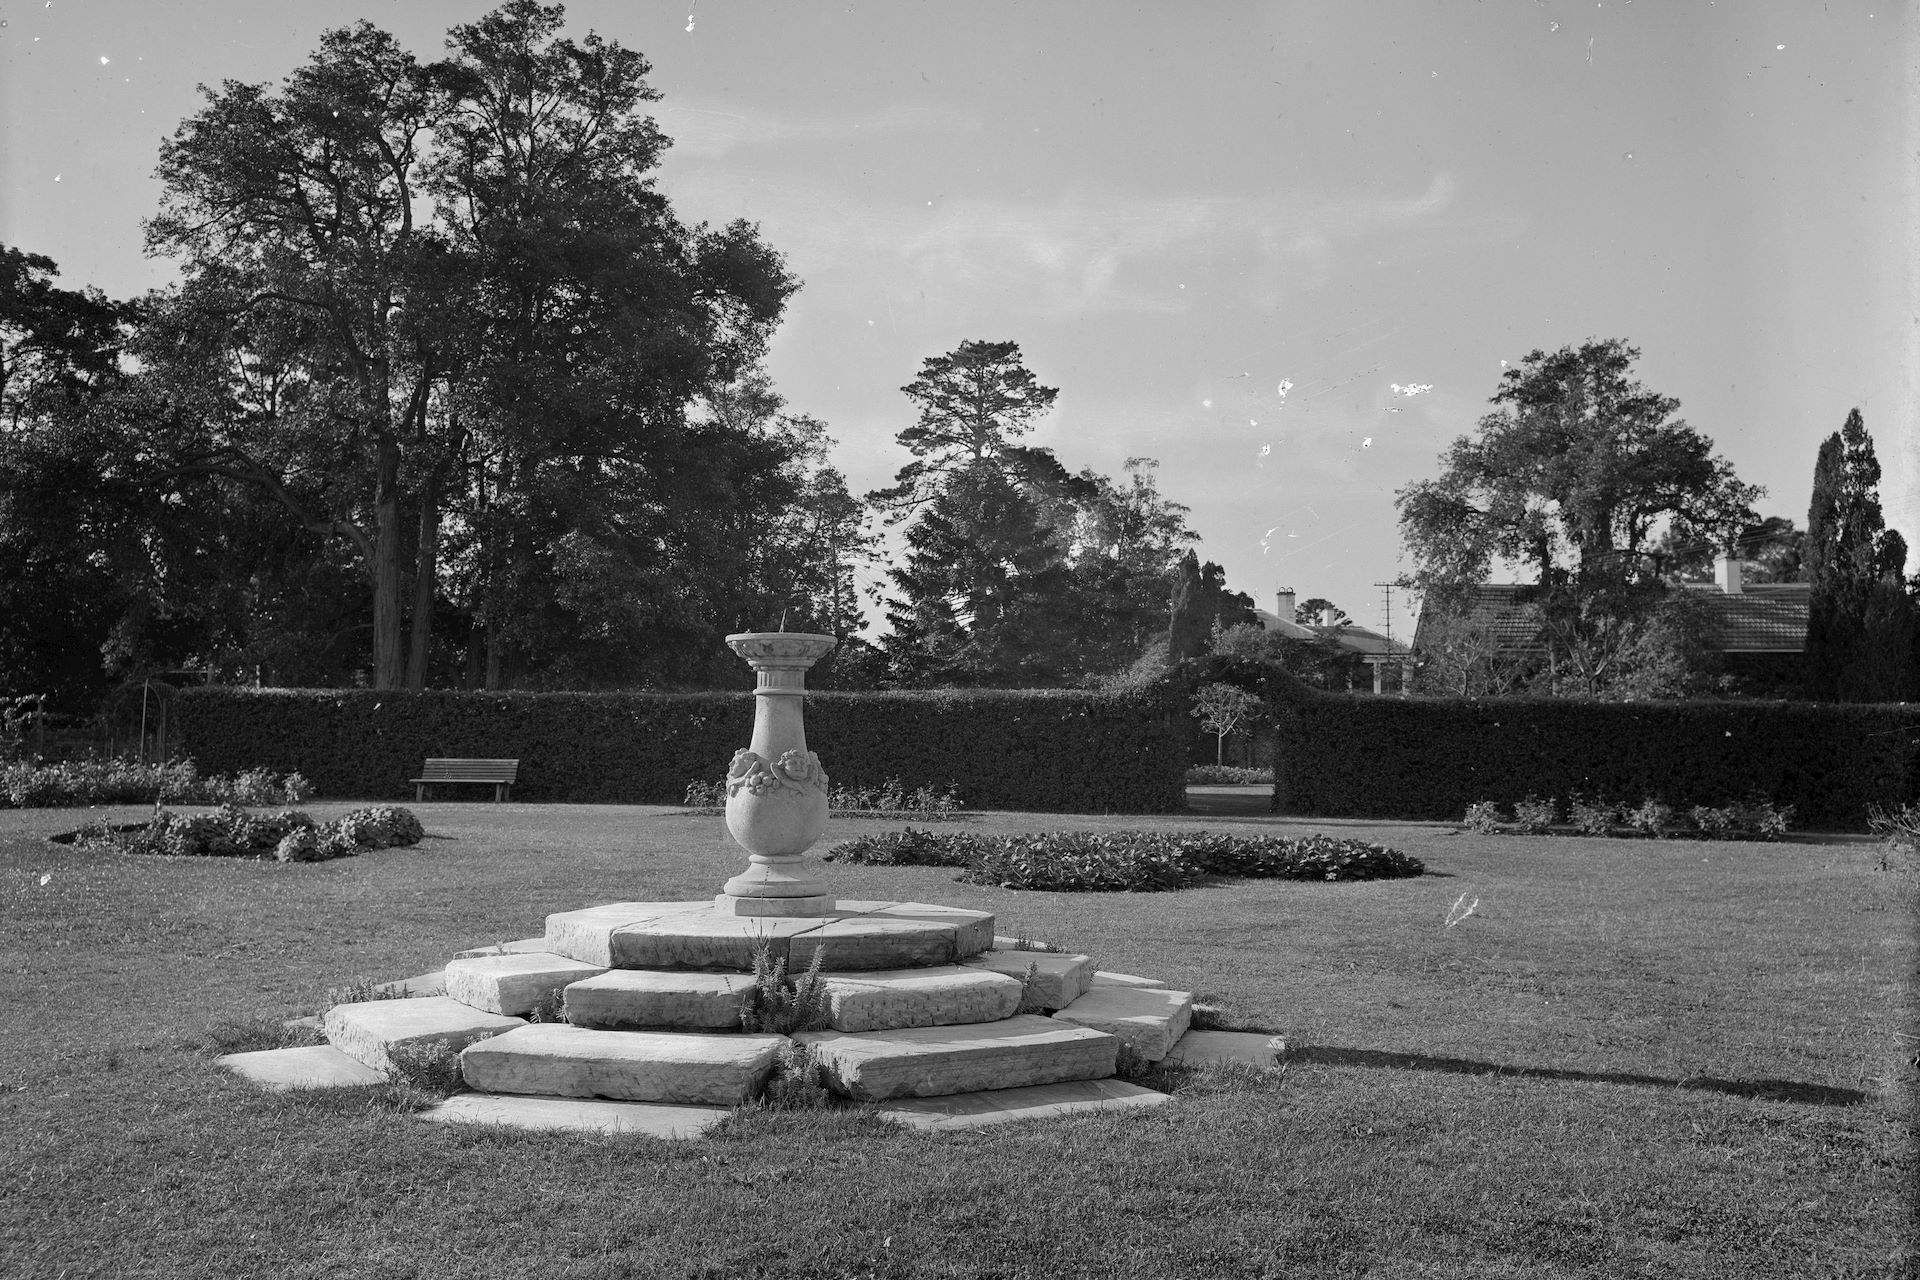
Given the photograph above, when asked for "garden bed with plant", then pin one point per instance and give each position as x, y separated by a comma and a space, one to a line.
1757, 819
1125, 861
892, 799
42, 784
231, 831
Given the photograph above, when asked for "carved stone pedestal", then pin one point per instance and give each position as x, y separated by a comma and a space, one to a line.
776, 789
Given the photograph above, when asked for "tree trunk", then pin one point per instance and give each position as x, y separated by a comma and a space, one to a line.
426, 577
389, 670
493, 654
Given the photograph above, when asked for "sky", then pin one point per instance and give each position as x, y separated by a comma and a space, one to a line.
1285, 249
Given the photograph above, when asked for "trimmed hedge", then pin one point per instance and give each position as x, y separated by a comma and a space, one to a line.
1382, 757
1047, 750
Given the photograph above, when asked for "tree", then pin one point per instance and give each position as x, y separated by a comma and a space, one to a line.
1574, 473
1222, 709
1309, 612
1579, 473
1861, 623
517, 359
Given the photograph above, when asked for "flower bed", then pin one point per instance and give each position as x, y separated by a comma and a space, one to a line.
1132, 861
233, 832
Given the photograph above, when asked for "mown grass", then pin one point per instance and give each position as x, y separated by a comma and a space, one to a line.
1633, 1059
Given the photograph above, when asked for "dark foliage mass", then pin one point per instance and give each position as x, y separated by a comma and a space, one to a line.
1432, 757
1129, 861
1037, 750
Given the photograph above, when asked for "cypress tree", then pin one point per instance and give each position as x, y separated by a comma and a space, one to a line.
1861, 623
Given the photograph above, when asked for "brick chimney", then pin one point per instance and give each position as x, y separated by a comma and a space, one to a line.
1329, 617
1283, 604
1726, 574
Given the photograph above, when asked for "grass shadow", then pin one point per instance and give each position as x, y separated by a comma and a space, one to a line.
1767, 1090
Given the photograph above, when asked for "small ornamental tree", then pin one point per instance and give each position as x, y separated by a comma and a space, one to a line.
1222, 709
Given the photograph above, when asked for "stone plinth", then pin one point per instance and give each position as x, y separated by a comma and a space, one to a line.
1147, 1019
939, 996
554, 1060
855, 935
515, 983
1059, 978
370, 1029
919, 1062
636, 998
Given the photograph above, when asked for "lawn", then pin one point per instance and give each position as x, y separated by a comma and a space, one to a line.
1631, 1059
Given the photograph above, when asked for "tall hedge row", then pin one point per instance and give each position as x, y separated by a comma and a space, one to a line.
1364, 756
1038, 750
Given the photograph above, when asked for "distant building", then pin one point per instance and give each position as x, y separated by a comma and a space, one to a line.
1760, 628
1363, 647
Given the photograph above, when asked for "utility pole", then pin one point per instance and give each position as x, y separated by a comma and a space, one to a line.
1387, 588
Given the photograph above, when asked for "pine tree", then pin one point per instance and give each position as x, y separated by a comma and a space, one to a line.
1861, 623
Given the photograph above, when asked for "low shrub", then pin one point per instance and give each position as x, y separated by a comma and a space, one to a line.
907, 848
778, 1003
1129, 861
1534, 816
1219, 775
1592, 817
1898, 829
799, 1080
36, 784
1651, 818
1484, 816
233, 832
431, 1068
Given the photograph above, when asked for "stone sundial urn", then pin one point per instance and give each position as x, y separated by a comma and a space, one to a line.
776, 789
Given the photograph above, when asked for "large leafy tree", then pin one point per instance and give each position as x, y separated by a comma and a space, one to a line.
440, 310
1860, 631
1579, 474
1575, 473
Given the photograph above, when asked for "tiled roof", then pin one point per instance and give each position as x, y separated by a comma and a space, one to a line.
1354, 639
1768, 617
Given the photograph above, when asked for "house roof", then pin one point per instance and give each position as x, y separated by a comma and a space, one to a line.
1354, 639
1768, 617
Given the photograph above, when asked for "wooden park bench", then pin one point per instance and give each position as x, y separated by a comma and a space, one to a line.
501, 773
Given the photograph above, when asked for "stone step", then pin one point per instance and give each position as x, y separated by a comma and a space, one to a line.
369, 1030
1105, 979
1148, 1019
641, 998
579, 1115
922, 1062
696, 935
1204, 1048
1035, 1102
556, 1060
1059, 978
319, 1066
500, 948
941, 995
515, 983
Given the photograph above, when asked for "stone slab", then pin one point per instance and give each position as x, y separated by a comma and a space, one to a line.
1148, 1019
1202, 1048
636, 998
702, 940
921, 1062
369, 1029
1059, 978
876, 941
515, 983
498, 948
555, 1060
579, 1115
1035, 1102
973, 930
1105, 979
587, 934
941, 995
319, 1066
